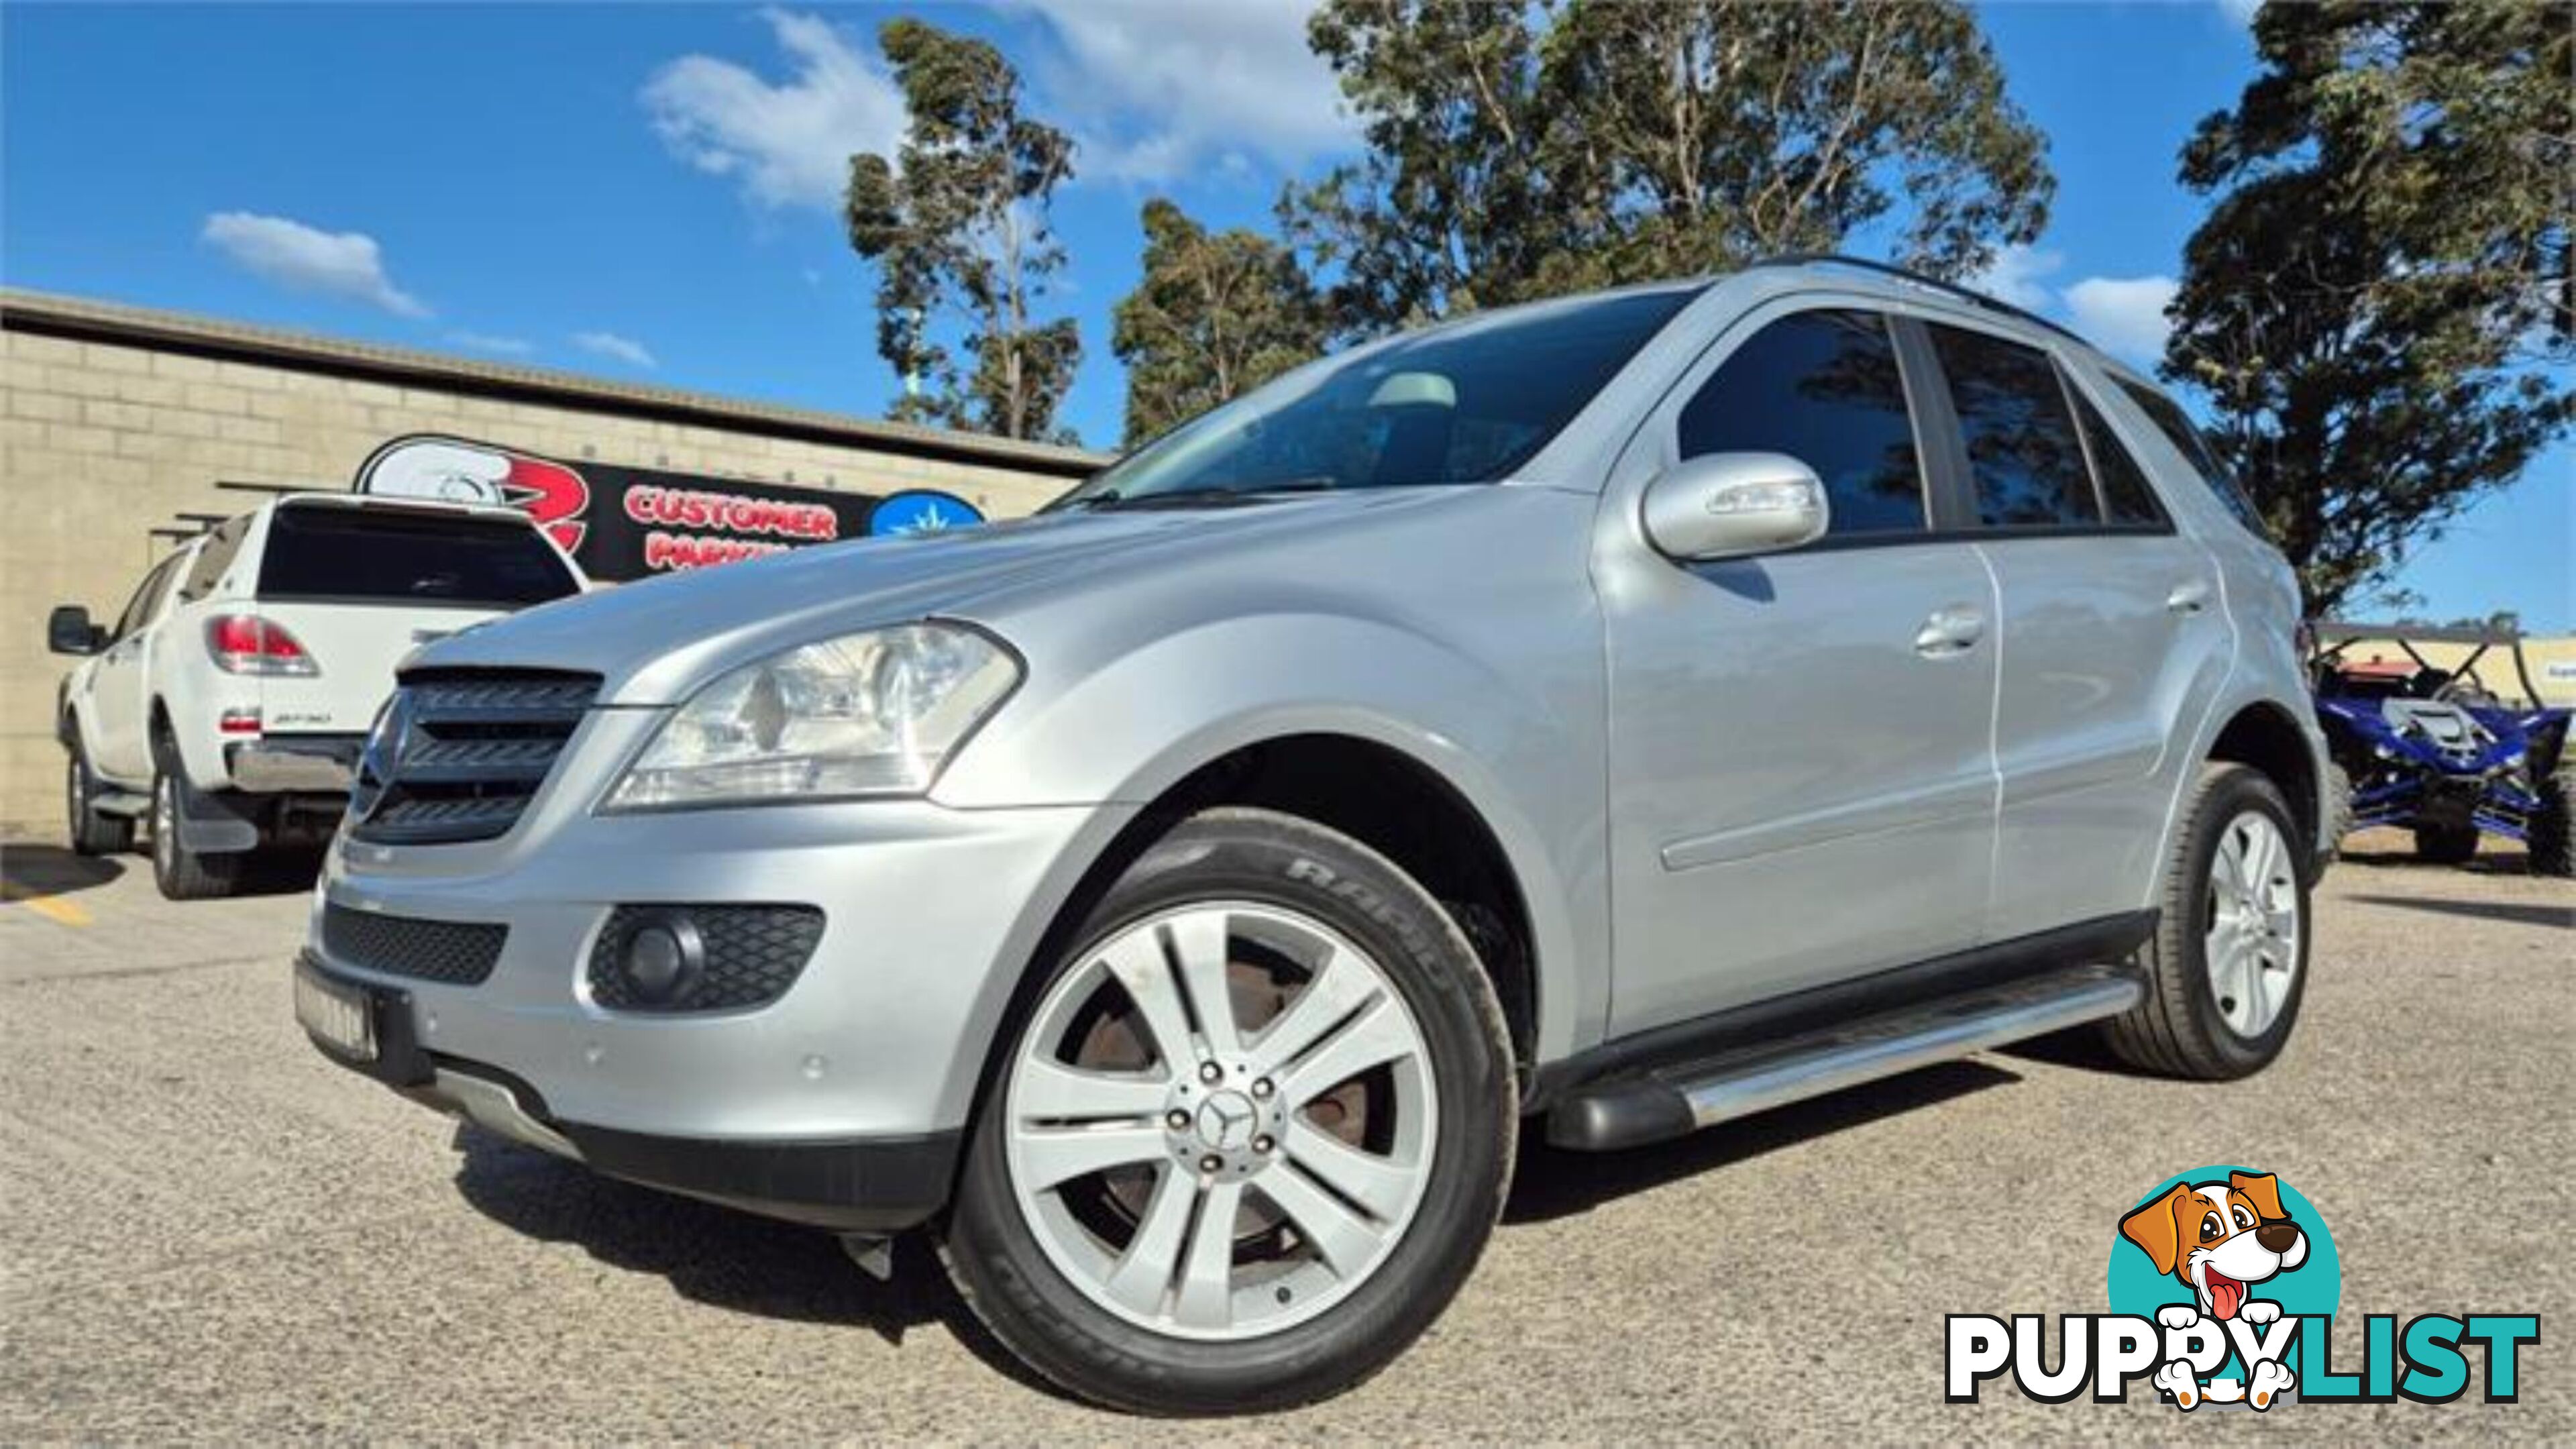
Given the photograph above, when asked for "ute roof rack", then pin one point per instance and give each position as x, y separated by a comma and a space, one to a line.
1949, 289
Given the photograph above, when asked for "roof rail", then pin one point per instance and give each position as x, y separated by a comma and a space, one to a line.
1948, 289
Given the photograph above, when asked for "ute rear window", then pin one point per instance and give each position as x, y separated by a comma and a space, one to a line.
343, 553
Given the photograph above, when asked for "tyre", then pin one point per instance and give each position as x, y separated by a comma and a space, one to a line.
2547, 835
91, 832
181, 873
1250, 1135
2338, 807
2446, 844
2229, 962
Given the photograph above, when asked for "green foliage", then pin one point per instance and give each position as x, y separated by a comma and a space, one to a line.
1215, 315
1520, 150
956, 225
2379, 301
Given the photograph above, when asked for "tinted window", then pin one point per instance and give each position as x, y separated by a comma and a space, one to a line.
343, 553
2022, 449
213, 559
138, 610
1824, 388
2175, 424
2125, 491
1460, 404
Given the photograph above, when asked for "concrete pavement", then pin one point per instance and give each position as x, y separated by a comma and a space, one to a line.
208, 1232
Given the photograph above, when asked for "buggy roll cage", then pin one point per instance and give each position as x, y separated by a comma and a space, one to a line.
2333, 637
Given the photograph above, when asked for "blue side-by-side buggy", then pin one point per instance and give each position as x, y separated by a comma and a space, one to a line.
2435, 751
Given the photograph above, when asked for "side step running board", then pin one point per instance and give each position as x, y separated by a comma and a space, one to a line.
1669, 1101
124, 804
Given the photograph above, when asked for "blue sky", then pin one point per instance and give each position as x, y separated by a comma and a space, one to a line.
650, 192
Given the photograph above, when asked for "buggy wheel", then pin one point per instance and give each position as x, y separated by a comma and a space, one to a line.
2446, 844
2338, 808
2549, 830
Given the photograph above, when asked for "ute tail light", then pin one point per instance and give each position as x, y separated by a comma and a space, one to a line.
249, 644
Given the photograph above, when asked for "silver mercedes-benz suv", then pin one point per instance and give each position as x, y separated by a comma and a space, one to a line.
1602, 718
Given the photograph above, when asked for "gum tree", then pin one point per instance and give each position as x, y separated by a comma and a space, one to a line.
2378, 302
956, 225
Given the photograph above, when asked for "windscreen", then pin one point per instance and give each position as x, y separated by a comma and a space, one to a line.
419, 558
1461, 404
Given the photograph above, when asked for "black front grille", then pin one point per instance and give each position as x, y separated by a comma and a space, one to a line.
752, 955
460, 953
462, 752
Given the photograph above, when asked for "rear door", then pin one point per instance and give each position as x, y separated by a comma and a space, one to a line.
1801, 785
357, 588
2113, 633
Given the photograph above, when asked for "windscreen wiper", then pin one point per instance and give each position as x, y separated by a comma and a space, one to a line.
1218, 497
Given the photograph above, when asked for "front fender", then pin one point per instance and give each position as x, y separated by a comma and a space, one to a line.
1523, 750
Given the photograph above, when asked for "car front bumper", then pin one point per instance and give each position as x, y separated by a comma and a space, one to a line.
864, 1184
840, 1102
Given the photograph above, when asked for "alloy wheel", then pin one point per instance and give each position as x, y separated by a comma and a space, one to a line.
1221, 1120
165, 826
2251, 934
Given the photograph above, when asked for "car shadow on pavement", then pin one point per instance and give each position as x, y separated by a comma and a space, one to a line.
716, 1255
2501, 860
1553, 1182
30, 871
281, 872
2518, 913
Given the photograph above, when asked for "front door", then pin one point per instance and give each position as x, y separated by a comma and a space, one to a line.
1802, 787
120, 688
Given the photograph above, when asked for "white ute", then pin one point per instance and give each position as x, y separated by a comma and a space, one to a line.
228, 701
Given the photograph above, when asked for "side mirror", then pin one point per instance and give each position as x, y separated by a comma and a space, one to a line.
1727, 505
69, 631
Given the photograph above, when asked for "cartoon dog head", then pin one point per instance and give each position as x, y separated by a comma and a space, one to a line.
2219, 1238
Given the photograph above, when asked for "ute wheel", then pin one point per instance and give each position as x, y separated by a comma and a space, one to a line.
2547, 835
181, 873
1250, 1136
92, 833
2446, 844
2228, 965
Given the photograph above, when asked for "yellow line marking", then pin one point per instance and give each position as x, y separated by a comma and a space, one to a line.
52, 908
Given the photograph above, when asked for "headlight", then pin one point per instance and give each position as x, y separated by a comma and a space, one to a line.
865, 714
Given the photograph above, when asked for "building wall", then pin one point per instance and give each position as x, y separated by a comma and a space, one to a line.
100, 442
2551, 658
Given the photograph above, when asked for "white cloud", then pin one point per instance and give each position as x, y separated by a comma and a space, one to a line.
608, 344
2121, 315
789, 143
1157, 89
487, 342
2018, 275
2124, 315
2240, 11
344, 264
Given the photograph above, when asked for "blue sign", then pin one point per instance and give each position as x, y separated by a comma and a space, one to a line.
922, 510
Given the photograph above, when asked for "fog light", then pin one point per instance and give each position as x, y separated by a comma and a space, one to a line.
663, 958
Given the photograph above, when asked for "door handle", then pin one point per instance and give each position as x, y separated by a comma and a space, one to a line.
2188, 597
1951, 631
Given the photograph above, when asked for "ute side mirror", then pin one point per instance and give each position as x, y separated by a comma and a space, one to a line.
69, 631
1728, 505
